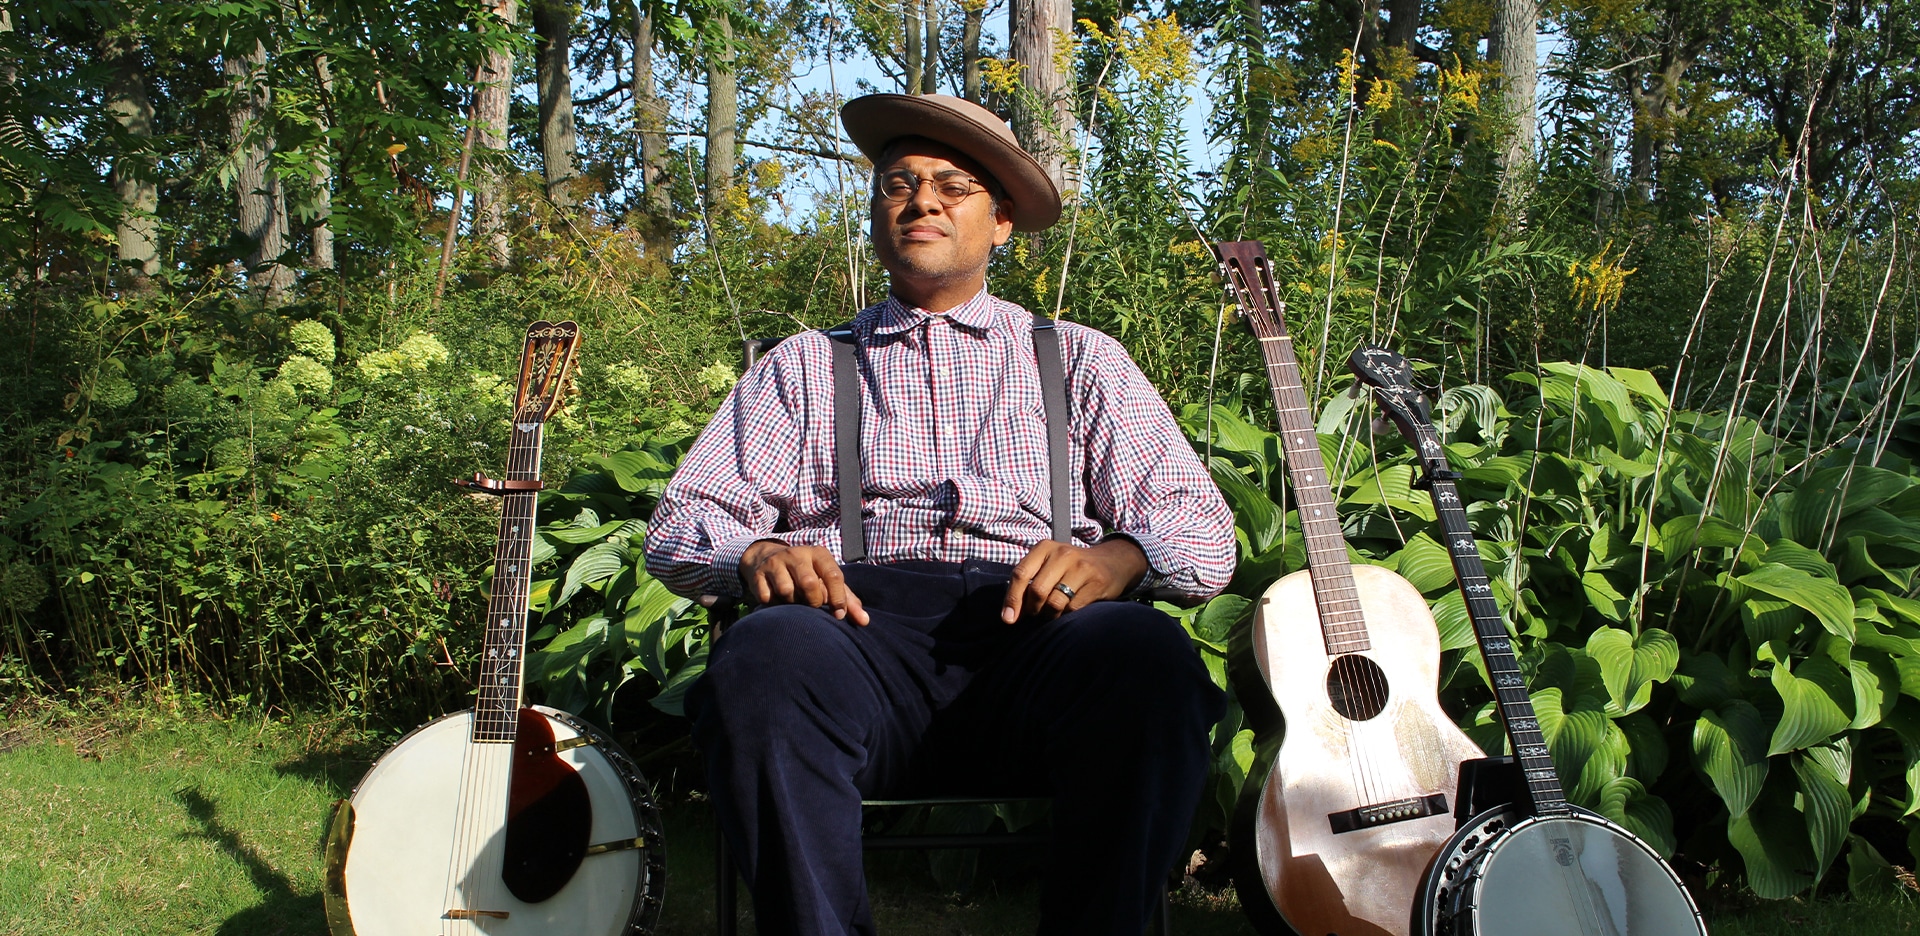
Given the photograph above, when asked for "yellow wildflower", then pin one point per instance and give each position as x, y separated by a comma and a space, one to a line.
1161, 53
1000, 75
1599, 281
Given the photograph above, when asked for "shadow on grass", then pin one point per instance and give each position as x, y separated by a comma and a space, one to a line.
337, 767
281, 910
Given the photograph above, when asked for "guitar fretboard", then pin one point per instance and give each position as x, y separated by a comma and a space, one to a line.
1342, 624
497, 707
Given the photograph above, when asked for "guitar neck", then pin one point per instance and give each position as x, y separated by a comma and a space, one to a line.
502, 683
1342, 624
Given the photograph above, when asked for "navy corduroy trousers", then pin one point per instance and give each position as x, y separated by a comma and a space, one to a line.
799, 716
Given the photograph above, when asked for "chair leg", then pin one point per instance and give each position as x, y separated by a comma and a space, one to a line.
725, 898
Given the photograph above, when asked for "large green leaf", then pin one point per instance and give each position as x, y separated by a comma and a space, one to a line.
1455, 624
1603, 597
1425, 563
1825, 598
1588, 751
1772, 842
1769, 619
1828, 810
1254, 513
672, 697
1630, 666
1627, 802
1390, 485
1642, 383
596, 564
1217, 618
1826, 496
1876, 685
1730, 747
1811, 710
1704, 681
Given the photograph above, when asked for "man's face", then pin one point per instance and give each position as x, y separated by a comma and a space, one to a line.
933, 250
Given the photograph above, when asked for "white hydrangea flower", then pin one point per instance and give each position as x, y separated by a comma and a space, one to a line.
312, 339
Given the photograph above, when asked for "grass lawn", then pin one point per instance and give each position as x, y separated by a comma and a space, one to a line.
156, 822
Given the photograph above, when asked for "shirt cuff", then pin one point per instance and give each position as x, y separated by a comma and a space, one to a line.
981, 504
726, 564
1160, 559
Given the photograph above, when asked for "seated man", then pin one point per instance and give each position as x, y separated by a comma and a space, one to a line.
970, 652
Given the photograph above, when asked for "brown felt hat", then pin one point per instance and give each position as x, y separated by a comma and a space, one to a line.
875, 120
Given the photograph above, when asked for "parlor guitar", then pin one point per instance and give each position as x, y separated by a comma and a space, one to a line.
1358, 800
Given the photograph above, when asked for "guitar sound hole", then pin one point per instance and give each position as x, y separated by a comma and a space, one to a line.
1357, 686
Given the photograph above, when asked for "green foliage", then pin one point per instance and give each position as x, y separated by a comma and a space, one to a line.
1718, 648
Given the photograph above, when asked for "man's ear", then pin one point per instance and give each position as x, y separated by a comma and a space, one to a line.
1002, 221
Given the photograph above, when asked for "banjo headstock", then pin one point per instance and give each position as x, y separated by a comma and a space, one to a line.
546, 364
1391, 377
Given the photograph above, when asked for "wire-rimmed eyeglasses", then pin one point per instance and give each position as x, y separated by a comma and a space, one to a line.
900, 185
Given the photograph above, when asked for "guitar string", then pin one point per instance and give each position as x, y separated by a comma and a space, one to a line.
1330, 592
1281, 384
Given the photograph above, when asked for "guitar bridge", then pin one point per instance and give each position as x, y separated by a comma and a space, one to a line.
1388, 813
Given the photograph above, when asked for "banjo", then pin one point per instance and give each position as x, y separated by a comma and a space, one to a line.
504, 819
1537, 866
1359, 795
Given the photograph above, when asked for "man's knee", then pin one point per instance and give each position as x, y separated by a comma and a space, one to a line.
774, 664
1140, 648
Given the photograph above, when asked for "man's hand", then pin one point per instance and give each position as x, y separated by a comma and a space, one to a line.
1058, 577
776, 573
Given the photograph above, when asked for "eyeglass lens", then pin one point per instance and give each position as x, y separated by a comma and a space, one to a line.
901, 185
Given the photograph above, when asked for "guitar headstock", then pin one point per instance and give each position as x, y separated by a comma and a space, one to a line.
546, 365
1249, 276
1391, 377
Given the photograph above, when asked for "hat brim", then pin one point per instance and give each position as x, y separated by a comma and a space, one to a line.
875, 120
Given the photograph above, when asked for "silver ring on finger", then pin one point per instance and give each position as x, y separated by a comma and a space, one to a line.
1064, 589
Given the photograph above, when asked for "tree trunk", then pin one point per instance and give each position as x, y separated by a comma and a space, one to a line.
8, 70
262, 204
1403, 23
491, 98
1034, 26
970, 48
1510, 43
1654, 111
650, 120
553, 24
910, 46
320, 234
133, 180
930, 61
723, 116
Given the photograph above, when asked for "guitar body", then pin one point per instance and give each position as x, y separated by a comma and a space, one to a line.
1358, 882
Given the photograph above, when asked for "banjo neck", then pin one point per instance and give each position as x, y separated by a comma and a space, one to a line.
1391, 378
502, 676
545, 365
1250, 277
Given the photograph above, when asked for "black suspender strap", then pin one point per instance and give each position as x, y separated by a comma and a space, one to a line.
846, 441
846, 432
1053, 396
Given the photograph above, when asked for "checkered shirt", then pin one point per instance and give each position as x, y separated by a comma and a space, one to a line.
953, 434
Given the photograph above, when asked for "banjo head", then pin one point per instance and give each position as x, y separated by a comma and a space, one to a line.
1576, 874
395, 862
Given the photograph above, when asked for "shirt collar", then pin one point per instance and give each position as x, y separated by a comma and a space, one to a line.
894, 315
